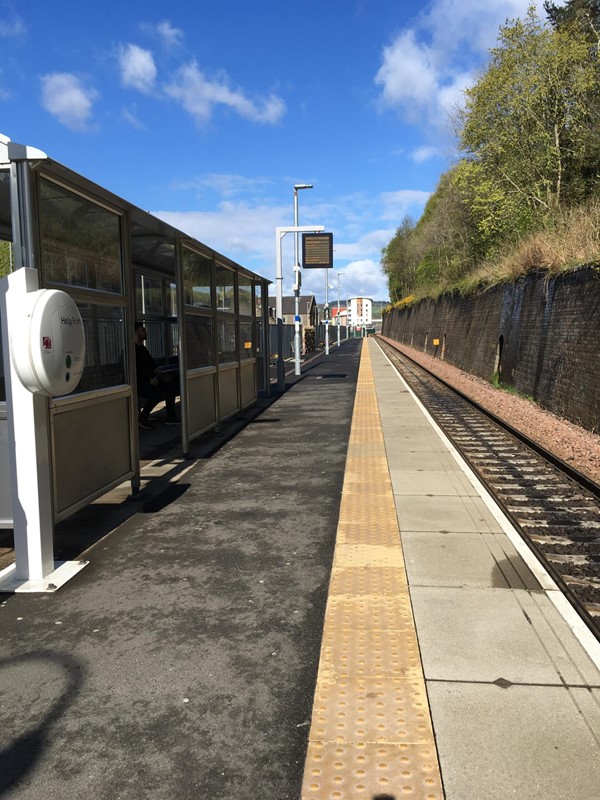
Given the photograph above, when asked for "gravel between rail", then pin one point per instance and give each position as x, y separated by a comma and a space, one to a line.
577, 446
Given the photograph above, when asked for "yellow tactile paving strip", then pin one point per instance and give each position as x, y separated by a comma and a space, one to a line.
371, 735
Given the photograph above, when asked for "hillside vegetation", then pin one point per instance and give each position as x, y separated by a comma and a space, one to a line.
524, 192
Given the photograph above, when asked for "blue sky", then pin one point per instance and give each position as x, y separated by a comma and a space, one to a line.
206, 114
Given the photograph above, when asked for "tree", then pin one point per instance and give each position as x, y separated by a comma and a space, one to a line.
397, 261
530, 142
529, 128
584, 13
443, 237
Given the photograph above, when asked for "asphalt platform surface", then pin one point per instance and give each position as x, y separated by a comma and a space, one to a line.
181, 662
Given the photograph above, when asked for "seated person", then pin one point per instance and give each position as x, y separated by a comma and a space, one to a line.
150, 385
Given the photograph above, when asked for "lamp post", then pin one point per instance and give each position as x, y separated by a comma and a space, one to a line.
339, 275
297, 280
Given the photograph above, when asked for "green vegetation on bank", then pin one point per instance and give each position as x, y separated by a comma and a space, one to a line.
524, 193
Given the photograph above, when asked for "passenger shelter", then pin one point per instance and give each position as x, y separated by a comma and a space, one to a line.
206, 318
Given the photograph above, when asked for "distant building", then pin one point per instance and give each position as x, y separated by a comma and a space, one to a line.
308, 310
343, 313
360, 312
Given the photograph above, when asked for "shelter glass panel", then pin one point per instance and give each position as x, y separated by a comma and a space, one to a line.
104, 347
148, 295
244, 296
171, 299
155, 341
5, 213
199, 341
257, 299
258, 337
80, 240
225, 289
227, 341
197, 279
246, 341
173, 338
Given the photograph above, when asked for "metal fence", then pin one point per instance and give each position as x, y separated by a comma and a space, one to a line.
288, 338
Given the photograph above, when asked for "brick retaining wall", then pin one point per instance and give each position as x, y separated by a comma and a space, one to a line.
541, 334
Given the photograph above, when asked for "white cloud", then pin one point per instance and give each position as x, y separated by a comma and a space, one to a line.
236, 229
12, 30
456, 23
171, 37
397, 205
365, 278
199, 95
245, 232
424, 153
369, 244
408, 74
426, 68
247, 235
4, 93
131, 118
138, 70
224, 184
65, 98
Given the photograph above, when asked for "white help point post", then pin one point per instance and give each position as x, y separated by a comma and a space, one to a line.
43, 350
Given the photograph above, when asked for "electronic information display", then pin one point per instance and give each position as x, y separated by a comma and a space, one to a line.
317, 250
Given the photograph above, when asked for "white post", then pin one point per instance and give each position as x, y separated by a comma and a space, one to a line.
297, 281
339, 333
296, 290
326, 313
279, 313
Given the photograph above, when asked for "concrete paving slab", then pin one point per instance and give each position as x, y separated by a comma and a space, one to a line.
520, 742
408, 418
571, 660
479, 635
443, 514
427, 482
589, 703
421, 460
400, 402
509, 561
415, 438
451, 559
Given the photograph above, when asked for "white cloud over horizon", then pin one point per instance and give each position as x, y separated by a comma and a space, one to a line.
251, 239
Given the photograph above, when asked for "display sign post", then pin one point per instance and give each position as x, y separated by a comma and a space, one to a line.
279, 234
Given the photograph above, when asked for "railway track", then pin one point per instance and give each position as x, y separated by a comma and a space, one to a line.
555, 508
